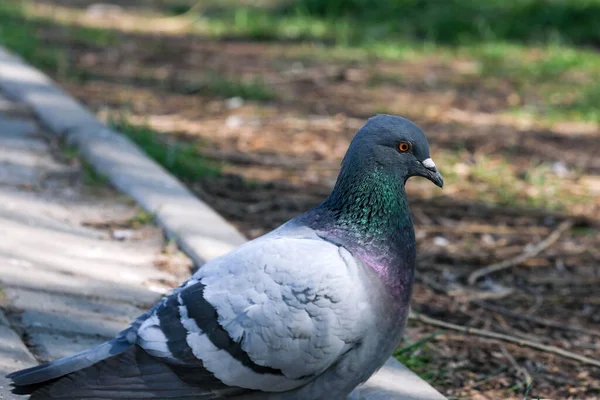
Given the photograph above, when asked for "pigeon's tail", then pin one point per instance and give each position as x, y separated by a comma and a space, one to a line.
28, 380
128, 373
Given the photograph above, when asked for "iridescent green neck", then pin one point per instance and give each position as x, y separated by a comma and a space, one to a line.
372, 205
369, 215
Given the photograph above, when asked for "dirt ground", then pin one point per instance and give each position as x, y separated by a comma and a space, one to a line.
280, 157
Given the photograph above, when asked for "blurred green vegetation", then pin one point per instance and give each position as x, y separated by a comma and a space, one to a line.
141, 218
181, 159
91, 177
17, 33
417, 356
462, 21
453, 22
538, 45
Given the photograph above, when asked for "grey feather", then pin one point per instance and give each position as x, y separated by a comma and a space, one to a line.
131, 375
64, 366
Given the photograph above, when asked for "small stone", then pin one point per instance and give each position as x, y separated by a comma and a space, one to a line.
461, 169
103, 10
234, 102
234, 122
488, 239
297, 68
449, 276
549, 221
490, 285
158, 289
123, 234
431, 79
560, 169
441, 241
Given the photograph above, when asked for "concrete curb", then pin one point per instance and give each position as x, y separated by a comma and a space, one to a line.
17, 356
200, 232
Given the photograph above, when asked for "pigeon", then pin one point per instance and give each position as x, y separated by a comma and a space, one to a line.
309, 310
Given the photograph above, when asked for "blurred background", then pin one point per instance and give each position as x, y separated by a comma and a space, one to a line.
252, 104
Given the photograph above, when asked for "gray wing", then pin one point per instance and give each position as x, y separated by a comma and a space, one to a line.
269, 316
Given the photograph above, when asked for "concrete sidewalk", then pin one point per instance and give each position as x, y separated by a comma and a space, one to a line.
72, 271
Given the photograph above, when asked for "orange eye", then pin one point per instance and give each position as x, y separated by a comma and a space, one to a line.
404, 147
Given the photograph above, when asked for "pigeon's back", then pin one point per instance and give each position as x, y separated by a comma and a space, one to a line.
310, 310
294, 302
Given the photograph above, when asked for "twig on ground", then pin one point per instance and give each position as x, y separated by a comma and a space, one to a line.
487, 295
506, 338
418, 343
558, 281
489, 377
481, 228
522, 371
463, 292
535, 320
564, 381
526, 255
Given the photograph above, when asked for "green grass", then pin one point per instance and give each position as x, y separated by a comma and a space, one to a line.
463, 21
378, 79
260, 24
181, 159
18, 32
416, 357
563, 79
141, 218
94, 36
91, 177
70, 153
449, 22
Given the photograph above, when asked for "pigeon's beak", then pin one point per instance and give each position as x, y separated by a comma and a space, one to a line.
430, 172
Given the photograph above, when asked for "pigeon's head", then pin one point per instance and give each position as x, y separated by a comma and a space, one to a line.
396, 144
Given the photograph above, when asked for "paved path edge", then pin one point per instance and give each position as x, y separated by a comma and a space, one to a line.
200, 232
